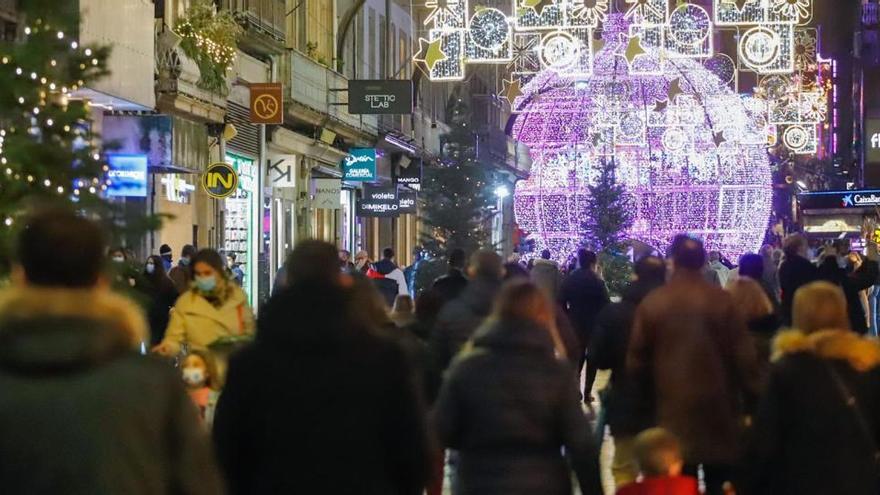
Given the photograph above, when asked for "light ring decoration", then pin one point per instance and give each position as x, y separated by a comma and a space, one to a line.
723, 67
559, 50
759, 47
489, 29
701, 168
690, 25
795, 138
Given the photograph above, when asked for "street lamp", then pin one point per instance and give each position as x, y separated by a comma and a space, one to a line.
502, 191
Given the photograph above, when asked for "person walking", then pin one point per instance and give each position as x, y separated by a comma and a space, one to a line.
720, 269
318, 402
161, 296
546, 275
388, 277
233, 269
165, 254
583, 296
757, 310
182, 274
691, 353
816, 430
452, 284
212, 311
81, 412
847, 270
462, 316
402, 313
794, 272
625, 414
509, 438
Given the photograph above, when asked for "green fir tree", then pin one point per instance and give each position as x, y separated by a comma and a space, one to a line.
609, 217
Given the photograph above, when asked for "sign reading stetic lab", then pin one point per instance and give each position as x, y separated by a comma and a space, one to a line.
378, 201
127, 175
282, 171
839, 199
327, 194
359, 165
393, 97
267, 103
407, 200
220, 180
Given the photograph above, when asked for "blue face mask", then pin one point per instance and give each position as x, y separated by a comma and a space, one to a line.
184, 261
150, 268
206, 284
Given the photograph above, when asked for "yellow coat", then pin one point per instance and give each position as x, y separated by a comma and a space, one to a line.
198, 323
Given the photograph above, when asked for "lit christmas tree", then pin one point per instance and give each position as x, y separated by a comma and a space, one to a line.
610, 216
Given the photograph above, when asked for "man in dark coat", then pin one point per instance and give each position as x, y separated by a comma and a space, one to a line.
319, 403
460, 317
452, 284
81, 412
583, 295
859, 274
181, 274
624, 413
691, 353
794, 272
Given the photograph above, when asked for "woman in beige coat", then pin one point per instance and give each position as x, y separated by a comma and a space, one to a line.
213, 312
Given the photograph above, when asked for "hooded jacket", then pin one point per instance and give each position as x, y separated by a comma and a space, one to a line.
460, 318
545, 274
82, 413
807, 439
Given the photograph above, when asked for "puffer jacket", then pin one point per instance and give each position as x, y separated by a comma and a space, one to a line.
508, 406
81, 413
460, 318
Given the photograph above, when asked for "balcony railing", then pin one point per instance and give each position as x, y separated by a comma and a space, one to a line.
264, 16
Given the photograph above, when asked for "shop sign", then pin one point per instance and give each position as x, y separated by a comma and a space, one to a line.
327, 194
408, 202
378, 201
392, 97
267, 103
282, 171
839, 199
220, 180
177, 189
127, 175
411, 175
359, 165
872, 133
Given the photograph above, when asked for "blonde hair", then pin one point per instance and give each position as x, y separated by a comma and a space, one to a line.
522, 300
819, 306
212, 381
657, 451
750, 298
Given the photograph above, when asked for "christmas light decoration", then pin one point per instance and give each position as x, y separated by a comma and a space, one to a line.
691, 164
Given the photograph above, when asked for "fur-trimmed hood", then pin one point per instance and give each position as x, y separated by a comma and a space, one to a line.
861, 353
59, 327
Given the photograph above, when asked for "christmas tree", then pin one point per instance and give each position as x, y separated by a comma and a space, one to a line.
610, 216
47, 150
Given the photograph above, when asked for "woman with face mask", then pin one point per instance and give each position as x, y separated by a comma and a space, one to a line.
160, 295
212, 312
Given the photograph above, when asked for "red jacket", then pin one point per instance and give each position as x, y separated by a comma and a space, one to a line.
666, 485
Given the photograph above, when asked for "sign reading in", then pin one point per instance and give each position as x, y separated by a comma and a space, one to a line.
378, 201
839, 199
220, 180
267, 103
328, 194
282, 171
411, 175
408, 202
391, 96
359, 165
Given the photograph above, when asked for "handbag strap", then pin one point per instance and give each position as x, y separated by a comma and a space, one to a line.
852, 404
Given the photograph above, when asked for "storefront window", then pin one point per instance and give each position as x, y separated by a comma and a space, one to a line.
240, 226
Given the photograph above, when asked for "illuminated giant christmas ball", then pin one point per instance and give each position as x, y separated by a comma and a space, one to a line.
691, 153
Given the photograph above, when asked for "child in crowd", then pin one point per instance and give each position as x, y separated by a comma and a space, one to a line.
199, 376
658, 454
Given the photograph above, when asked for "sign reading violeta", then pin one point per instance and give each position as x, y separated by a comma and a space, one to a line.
359, 165
378, 201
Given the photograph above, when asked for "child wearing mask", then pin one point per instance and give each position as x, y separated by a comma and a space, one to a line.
196, 369
658, 454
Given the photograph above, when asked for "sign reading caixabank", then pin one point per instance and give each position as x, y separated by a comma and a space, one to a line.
839, 199
378, 201
359, 165
390, 97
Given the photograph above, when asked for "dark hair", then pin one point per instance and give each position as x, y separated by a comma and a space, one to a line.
428, 305
313, 261
58, 248
546, 254
651, 269
752, 266
164, 249
486, 264
514, 270
231, 255
211, 258
159, 278
388, 253
586, 258
188, 250
457, 258
687, 253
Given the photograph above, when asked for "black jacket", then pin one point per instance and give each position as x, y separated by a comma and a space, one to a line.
794, 272
851, 284
320, 404
582, 296
451, 285
806, 439
460, 318
508, 407
81, 413
625, 413
161, 298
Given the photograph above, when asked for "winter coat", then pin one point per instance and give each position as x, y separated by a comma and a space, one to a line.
508, 407
582, 296
451, 285
794, 272
199, 323
319, 404
690, 353
806, 439
182, 277
624, 411
851, 284
545, 274
81, 413
161, 298
665, 485
389, 279
460, 318
763, 331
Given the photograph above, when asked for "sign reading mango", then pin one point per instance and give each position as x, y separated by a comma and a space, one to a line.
220, 180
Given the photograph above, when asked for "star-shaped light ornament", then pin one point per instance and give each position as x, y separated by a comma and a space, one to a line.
510, 90
598, 45
430, 53
538, 5
740, 4
660, 105
718, 138
633, 49
674, 89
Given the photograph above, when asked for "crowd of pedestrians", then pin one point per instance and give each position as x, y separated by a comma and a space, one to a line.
749, 379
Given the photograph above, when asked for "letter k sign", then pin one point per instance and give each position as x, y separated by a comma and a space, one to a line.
282, 171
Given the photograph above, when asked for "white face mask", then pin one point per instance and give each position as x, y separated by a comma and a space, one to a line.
150, 267
194, 377
119, 259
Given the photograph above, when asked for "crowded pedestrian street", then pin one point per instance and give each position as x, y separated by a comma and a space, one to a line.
440, 247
